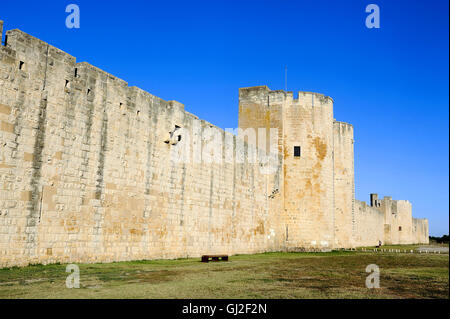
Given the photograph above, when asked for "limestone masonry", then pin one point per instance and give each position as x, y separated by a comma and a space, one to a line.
87, 171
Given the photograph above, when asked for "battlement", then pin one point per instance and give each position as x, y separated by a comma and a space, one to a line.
313, 98
344, 124
262, 94
343, 129
256, 94
376, 202
83, 68
83, 74
26, 46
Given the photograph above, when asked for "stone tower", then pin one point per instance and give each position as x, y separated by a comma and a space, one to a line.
317, 180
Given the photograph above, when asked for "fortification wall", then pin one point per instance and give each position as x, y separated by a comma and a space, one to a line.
344, 185
398, 220
403, 222
87, 175
420, 231
398, 226
93, 170
369, 225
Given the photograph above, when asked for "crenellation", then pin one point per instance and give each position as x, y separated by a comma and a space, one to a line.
314, 99
257, 94
279, 96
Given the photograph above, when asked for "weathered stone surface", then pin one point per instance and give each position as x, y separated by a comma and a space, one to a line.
317, 208
89, 173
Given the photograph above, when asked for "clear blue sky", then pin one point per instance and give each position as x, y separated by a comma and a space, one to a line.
390, 83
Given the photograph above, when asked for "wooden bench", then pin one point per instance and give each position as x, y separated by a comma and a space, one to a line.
207, 258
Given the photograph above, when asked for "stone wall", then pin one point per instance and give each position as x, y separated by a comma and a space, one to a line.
420, 231
87, 173
399, 223
93, 170
344, 185
390, 221
369, 225
308, 178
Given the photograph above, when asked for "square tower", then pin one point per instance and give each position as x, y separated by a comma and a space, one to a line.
306, 141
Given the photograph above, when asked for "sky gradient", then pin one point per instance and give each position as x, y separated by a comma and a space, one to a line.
390, 83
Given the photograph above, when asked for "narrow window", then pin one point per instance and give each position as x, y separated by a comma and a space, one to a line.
21, 63
122, 108
6, 40
297, 151
88, 91
400, 228
76, 72
67, 83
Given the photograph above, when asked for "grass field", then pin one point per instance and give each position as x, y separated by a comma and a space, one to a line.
408, 247
269, 275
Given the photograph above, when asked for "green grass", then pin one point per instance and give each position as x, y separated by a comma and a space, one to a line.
269, 275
